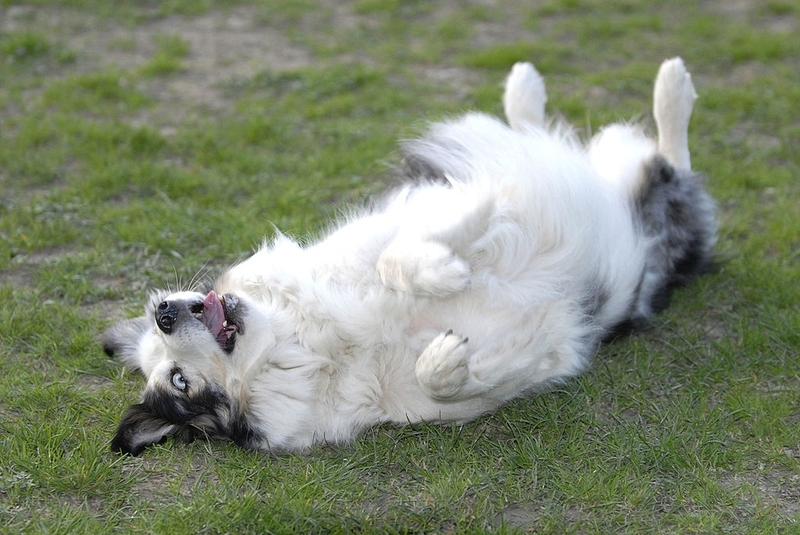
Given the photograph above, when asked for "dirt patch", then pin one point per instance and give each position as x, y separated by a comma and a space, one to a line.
519, 516
223, 46
775, 490
23, 268
93, 383
226, 46
169, 484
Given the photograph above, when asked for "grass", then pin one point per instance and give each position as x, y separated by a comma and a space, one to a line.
124, 166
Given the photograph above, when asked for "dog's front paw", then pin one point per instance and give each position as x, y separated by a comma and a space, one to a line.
442, 369
440, 272
423, 268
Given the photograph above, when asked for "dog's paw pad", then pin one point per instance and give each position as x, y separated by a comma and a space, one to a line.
442, 368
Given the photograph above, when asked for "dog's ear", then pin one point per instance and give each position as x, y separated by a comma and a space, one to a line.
140, 428
122, 341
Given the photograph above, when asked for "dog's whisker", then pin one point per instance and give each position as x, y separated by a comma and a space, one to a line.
201, 275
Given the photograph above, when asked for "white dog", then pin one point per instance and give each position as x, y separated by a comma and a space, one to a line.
515, 252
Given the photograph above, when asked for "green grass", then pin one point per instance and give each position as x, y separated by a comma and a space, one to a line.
120, 176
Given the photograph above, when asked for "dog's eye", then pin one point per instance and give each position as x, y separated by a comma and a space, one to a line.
178, 381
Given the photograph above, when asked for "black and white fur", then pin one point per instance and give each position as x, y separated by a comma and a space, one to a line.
514, 252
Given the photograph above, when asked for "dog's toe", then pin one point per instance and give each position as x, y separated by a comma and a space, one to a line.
442, 368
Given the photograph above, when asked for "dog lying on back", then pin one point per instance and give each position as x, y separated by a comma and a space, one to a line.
513, 254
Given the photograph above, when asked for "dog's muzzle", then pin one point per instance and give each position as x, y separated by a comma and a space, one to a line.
166, 314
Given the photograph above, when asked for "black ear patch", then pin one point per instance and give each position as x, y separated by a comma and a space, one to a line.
204, 414
140, 428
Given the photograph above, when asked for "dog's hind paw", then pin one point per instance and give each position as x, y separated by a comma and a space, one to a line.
524, 97
442, 369
673, 100
675, 89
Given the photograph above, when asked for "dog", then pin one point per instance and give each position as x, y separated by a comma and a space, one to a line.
510, 253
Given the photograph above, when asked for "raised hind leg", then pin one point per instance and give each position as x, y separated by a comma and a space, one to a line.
673, 99
677, 214
524, 97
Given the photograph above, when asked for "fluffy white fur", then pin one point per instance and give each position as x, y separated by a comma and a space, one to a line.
517, 250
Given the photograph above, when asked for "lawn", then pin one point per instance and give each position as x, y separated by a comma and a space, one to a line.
143, 144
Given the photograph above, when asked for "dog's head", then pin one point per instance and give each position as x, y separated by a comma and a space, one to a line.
184, 345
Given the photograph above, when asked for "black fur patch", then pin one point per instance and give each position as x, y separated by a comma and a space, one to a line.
242, 434
204, 414
140, 428
417, 170
677, 218
179, 408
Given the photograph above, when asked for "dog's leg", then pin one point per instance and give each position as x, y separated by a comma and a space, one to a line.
673, 99
425, 258
549, 343
524, 97
422, 267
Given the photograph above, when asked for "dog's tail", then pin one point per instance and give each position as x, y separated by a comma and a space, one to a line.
673, 100
524, 97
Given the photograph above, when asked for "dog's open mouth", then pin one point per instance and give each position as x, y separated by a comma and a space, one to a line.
216, 312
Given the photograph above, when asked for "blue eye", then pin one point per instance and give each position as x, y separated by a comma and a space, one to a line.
178, 381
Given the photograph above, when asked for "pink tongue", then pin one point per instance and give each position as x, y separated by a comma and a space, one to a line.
214, 316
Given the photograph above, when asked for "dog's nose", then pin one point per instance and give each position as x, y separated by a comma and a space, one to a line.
166, 315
